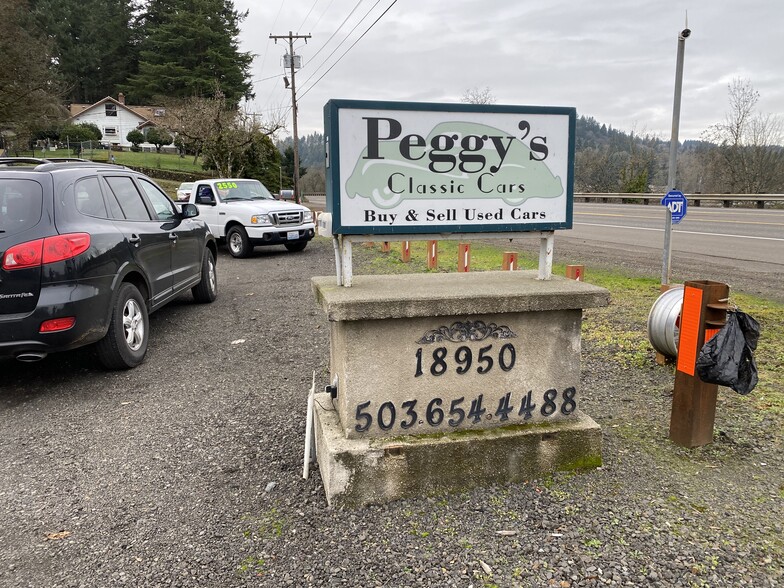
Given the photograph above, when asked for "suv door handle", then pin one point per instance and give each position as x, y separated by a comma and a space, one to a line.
172, 236
134, 239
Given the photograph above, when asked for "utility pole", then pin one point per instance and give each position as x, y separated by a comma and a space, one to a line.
291, 56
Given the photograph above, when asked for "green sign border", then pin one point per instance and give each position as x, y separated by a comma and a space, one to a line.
332, 139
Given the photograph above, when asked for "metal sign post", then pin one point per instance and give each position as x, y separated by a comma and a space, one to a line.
676, 114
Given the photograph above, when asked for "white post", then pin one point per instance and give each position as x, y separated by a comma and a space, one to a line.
309, 436
346, 262
546, 255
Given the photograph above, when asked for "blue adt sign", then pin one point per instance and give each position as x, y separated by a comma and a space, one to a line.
677, 203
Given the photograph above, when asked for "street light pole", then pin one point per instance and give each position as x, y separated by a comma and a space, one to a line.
671, 178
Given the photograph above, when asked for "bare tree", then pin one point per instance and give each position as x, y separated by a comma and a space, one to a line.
217, 131
750, 157
476, 96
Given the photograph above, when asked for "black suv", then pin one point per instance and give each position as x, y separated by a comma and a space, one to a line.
87, 251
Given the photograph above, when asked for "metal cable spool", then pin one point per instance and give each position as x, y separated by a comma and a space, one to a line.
664, 323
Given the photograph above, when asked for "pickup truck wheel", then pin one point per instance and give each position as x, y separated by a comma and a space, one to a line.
296, 246
206, 290
125, 344
238, 242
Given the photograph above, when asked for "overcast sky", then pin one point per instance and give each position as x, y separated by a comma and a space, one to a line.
613, 60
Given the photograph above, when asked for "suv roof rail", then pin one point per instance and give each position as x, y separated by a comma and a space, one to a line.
10, 161
51, 166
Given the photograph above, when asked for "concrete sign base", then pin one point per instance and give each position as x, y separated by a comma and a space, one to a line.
446, 381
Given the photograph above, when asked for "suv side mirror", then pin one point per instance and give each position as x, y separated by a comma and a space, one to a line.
189, 210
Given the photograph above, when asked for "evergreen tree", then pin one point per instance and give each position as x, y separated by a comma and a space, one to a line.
190, 48
29, 90
287, 166
94, 44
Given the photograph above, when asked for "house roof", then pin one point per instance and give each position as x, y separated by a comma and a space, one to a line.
146, 113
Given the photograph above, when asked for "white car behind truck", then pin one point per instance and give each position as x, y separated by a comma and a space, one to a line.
246, 215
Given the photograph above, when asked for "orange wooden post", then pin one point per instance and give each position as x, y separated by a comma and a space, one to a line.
386, 246
510, 261
432, 254
575, 272
405, 251
464, 257
693, 401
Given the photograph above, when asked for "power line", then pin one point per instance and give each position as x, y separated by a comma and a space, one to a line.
336, 30
322, 15
323, 63
349, 49
307, 15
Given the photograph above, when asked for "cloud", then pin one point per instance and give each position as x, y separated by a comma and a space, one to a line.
613, 60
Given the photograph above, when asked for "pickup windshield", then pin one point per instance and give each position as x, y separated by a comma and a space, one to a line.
232, 190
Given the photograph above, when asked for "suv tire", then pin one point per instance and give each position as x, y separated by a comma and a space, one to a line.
125, 344
207, 290
238, 242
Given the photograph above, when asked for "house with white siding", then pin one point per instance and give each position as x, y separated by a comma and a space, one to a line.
115, 119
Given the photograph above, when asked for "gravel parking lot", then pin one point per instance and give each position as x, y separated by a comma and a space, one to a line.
186, 472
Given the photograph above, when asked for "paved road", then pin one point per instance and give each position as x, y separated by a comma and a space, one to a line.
741, 234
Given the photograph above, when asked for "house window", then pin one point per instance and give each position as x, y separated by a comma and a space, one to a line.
159, 112
111, 109
110, 130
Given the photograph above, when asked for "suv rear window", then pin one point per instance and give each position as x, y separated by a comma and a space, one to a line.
21, 202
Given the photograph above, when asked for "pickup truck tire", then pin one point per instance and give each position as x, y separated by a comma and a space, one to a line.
296, 246
238, 242
125, 344
207, 290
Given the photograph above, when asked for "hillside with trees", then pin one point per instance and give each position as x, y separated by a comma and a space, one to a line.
742, 154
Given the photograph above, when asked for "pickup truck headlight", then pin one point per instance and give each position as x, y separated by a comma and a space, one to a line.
307, 216
260, 219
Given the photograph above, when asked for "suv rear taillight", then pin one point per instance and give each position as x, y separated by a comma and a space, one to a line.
42, 251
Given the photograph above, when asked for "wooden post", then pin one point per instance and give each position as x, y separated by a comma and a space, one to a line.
432, 254
694, 401
510, 261
405, 251
464, 257
575, 272
386, 246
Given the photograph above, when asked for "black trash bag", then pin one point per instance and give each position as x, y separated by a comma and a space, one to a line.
728, 358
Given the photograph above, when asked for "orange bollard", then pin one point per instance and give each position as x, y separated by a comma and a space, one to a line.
432, 254
464, 257
510, 261
386, 247
405, 251
575, 272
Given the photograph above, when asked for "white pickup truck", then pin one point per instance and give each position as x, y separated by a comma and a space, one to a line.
245, 214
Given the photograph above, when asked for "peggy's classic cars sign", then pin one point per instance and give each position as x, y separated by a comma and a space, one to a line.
409, 168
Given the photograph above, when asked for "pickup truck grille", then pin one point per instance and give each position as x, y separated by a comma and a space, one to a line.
287, 219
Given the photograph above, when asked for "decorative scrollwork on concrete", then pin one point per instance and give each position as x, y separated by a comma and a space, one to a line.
459, 332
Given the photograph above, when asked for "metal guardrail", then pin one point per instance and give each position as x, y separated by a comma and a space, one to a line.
694, 199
